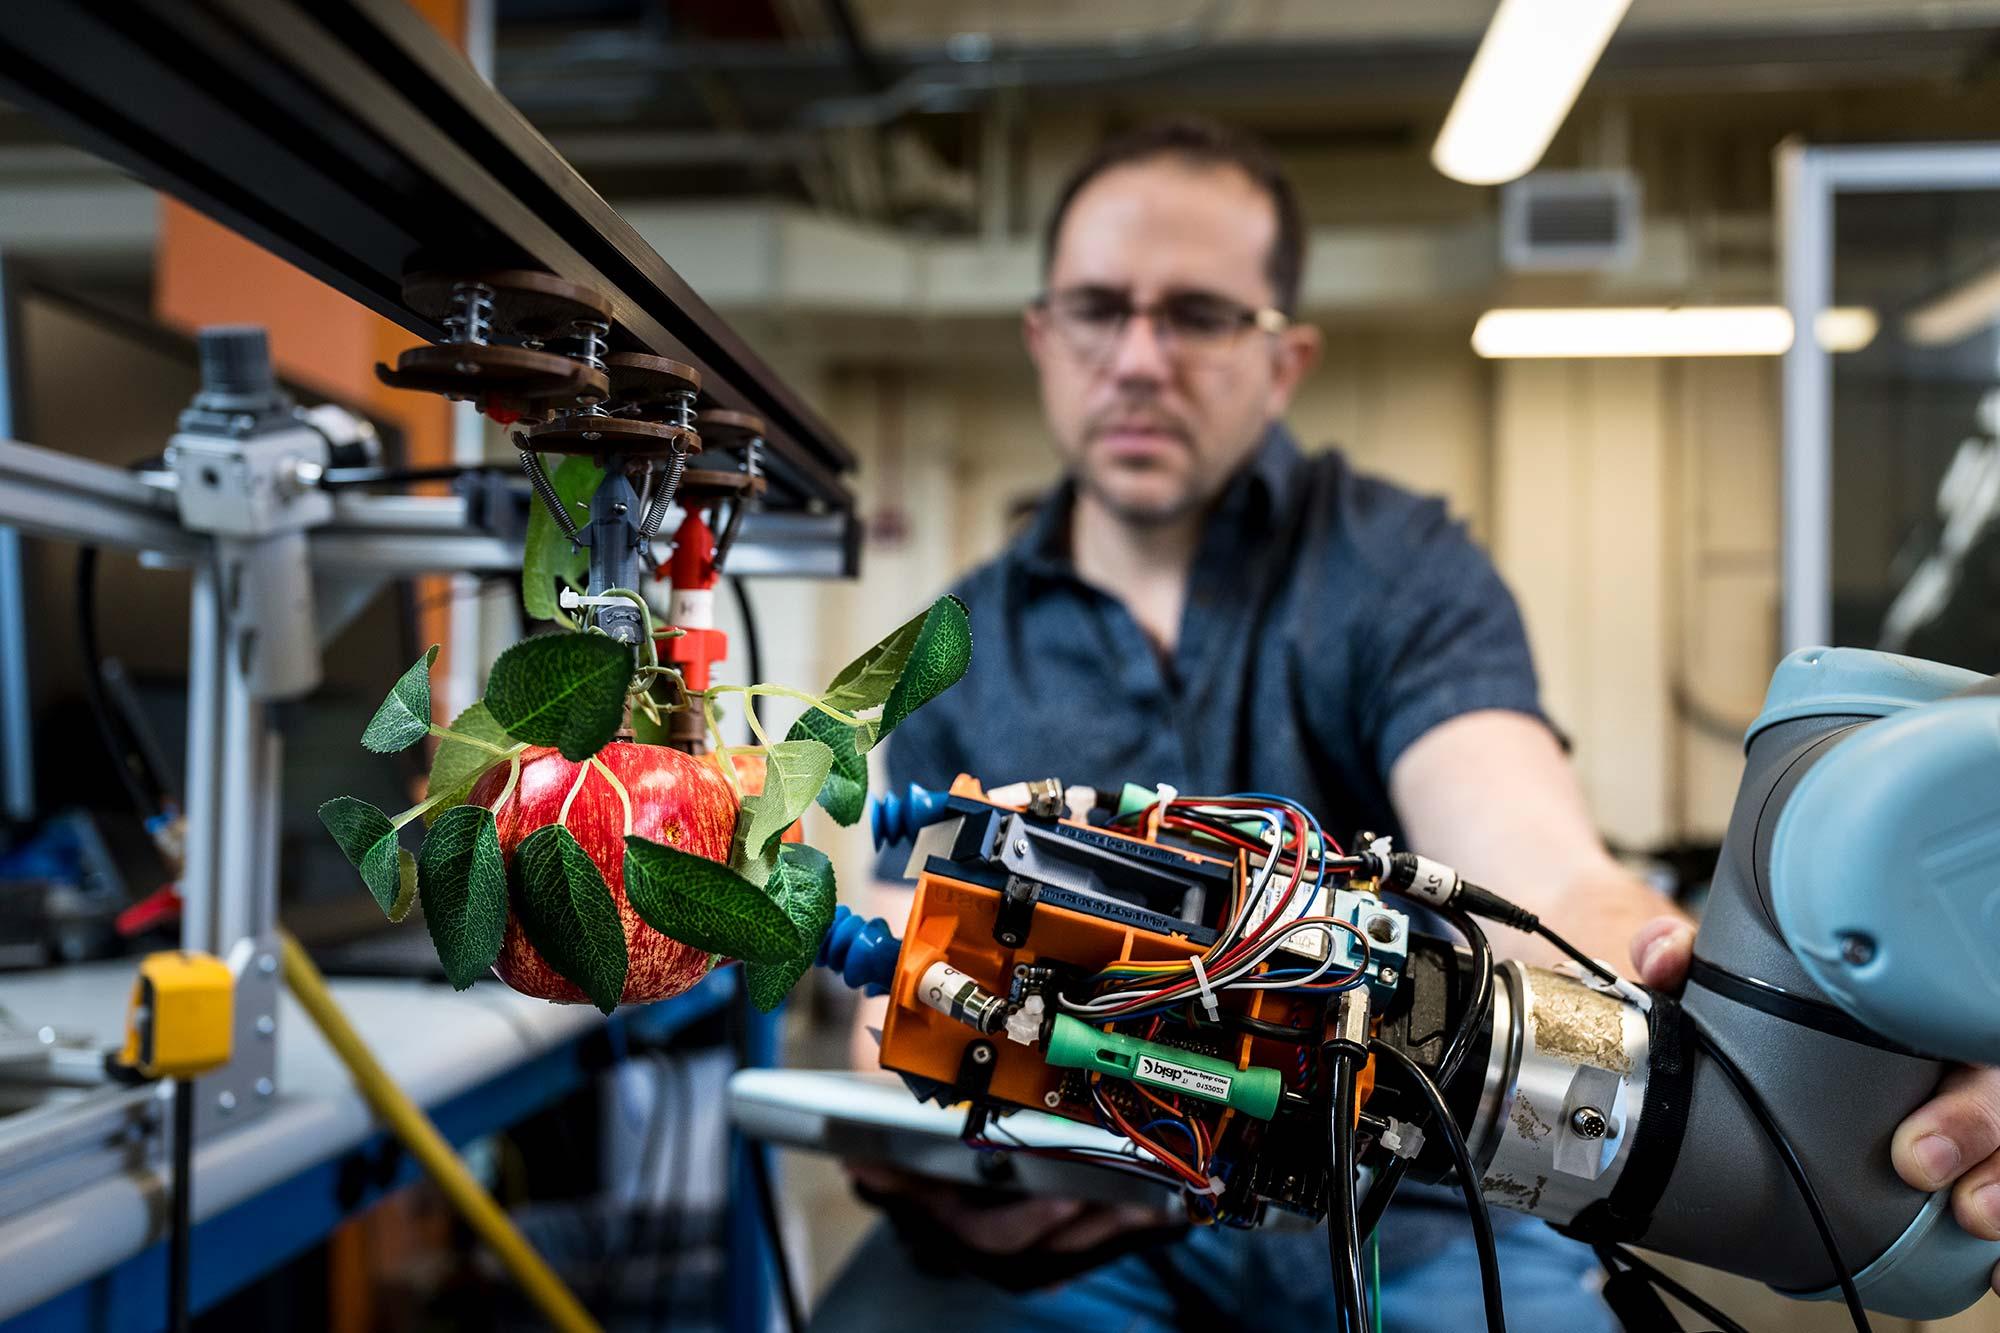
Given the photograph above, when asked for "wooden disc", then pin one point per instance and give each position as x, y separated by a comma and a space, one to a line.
503, 376
573, 434
526, 304
705, 484
730, 430
642, 379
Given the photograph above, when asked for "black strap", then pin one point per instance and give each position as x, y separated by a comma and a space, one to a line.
1792, 1008
1627, 1212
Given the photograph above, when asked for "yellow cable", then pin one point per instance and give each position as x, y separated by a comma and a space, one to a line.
409, 1124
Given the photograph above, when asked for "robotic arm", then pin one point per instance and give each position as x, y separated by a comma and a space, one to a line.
1253, 1011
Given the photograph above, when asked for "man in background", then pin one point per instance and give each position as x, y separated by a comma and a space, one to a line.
1201, 604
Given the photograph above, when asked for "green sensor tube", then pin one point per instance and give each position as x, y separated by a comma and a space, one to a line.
1076, 1045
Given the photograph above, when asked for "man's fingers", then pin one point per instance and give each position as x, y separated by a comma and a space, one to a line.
1008, 1228
1975, 1201
1661, 951
1951, 1133
1101, 1224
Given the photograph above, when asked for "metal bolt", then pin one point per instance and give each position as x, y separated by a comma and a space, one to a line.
267, 963
1389, 976
1052, 1100
265, 1087
1020, 846
593, 435
1857, 950
1589, 1123
227, 1101
266, 1025
982, 1054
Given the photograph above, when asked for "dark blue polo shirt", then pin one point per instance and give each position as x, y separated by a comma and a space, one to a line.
1332, 619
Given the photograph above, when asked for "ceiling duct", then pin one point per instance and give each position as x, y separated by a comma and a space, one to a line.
1570, 221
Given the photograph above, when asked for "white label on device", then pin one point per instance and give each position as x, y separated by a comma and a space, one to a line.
1182, 1078
693, 608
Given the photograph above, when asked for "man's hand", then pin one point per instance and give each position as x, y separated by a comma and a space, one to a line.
1955, 1136
1059, 1226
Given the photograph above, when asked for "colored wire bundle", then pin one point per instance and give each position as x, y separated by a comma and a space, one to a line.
1256, 927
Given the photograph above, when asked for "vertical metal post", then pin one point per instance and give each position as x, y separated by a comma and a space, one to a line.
17, 746
1805, 250
750, 1265
207, 653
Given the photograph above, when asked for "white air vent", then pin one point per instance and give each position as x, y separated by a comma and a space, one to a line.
1570, 221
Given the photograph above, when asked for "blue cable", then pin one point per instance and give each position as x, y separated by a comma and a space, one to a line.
1312, 822
1177, 1124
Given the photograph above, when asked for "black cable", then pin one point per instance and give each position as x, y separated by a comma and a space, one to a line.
1468, 1181
1607, 1253
753, 655
1383, 1190
1582, 960
1776, 1134
1343, 1237
124, 757
180, 1232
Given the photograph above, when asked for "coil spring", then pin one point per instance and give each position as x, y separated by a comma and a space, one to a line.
663, 496
590, 335
471, 317
544, 488
682, 409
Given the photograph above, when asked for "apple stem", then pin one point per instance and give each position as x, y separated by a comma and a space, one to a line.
460, 738
624, 797
710, 716
506, 792
582, 772
787, 692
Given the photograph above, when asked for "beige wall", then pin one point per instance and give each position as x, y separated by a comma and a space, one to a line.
1631, 505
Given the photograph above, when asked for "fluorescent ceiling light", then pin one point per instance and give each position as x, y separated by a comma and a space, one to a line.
1659, 331
1846, 328
1971, 307
1530, 66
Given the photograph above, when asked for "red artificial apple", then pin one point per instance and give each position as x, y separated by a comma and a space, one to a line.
677, 800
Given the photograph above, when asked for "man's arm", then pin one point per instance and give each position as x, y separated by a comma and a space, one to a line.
1492, 795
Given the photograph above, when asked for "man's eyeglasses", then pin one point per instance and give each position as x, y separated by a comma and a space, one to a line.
1188, 324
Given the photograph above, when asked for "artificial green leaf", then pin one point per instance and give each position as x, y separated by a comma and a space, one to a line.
405, 716
866, 681
793, 774
757, 867
465, 892
566, 911
565, 690
706, 904
547, 555
941, 654
845, 794
457, 767
369, 841
804, 887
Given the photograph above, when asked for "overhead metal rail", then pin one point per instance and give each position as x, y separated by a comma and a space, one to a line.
349, 138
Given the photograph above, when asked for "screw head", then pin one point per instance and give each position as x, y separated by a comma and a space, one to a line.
1588, 1122
1020, 846
982, 1054
1052, 1100
593, 435
1857, 950
267, 963
1389, 976
227, 1101
265, 1087
266, 1025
